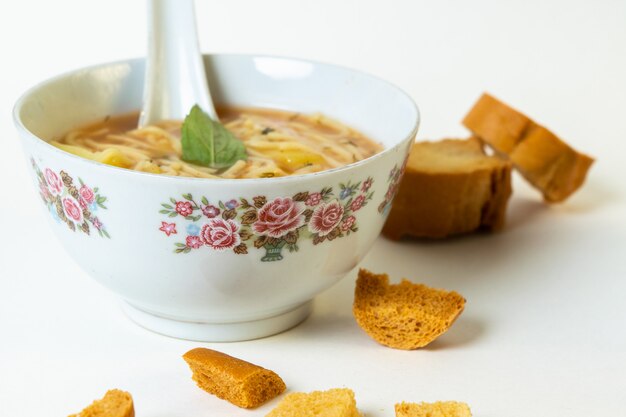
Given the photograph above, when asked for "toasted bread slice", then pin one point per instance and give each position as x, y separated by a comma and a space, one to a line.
337, 402
547, 162
450, 187
406, 315
438, 409
115, 403
241, 383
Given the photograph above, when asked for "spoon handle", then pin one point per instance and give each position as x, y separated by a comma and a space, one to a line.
175, 77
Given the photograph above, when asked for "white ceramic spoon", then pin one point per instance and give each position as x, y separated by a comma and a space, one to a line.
175, 78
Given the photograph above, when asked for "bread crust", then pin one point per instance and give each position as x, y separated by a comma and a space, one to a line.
241, 383
544, 160
450, 187
115, 403
335, 402
437, 409
406, 315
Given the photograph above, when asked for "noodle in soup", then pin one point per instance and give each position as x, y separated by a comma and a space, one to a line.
278, 143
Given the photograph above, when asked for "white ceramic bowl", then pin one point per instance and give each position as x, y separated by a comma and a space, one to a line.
218, 260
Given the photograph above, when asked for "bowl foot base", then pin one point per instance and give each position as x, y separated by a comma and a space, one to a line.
219, 332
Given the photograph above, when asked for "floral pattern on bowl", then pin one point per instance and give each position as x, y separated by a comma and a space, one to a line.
69, 203
394, 177
269, 224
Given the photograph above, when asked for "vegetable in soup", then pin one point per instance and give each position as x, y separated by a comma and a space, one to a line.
256, 143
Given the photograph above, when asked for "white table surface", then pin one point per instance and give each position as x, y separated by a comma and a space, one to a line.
544, 331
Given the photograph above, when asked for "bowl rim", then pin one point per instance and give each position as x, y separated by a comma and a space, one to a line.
19, 125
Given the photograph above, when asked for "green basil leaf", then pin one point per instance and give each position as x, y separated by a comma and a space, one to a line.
208, 143
228, 149
197, 138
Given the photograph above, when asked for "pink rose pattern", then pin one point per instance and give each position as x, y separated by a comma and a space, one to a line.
71, 203
54, 182
83, 205
395, 175
87, 194
271, 225
72, 209
44, 192
275, 225
221, 234
326, 217
279, 217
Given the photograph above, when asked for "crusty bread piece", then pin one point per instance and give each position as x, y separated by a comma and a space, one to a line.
450, 187
548, 163
115, 403
406, 315
243, 384
438, 409
336, 402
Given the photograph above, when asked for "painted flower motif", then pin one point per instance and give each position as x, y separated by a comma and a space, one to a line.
275, 225
184, 208
168, 228
394, 181
391, 192
194, 242
210, 211
193, 230
87, 194
69, 203
278, 217
345, 193
45, 193
325, 218
347, 223
54, 182
220, 234
366, 185
72, 209
314, 199
231, 204
97, 223
357, 203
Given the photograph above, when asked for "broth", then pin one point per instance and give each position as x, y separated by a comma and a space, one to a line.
278, 143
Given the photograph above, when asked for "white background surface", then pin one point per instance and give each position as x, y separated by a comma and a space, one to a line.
544, 331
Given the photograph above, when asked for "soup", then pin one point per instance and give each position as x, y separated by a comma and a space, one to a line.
277, 143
